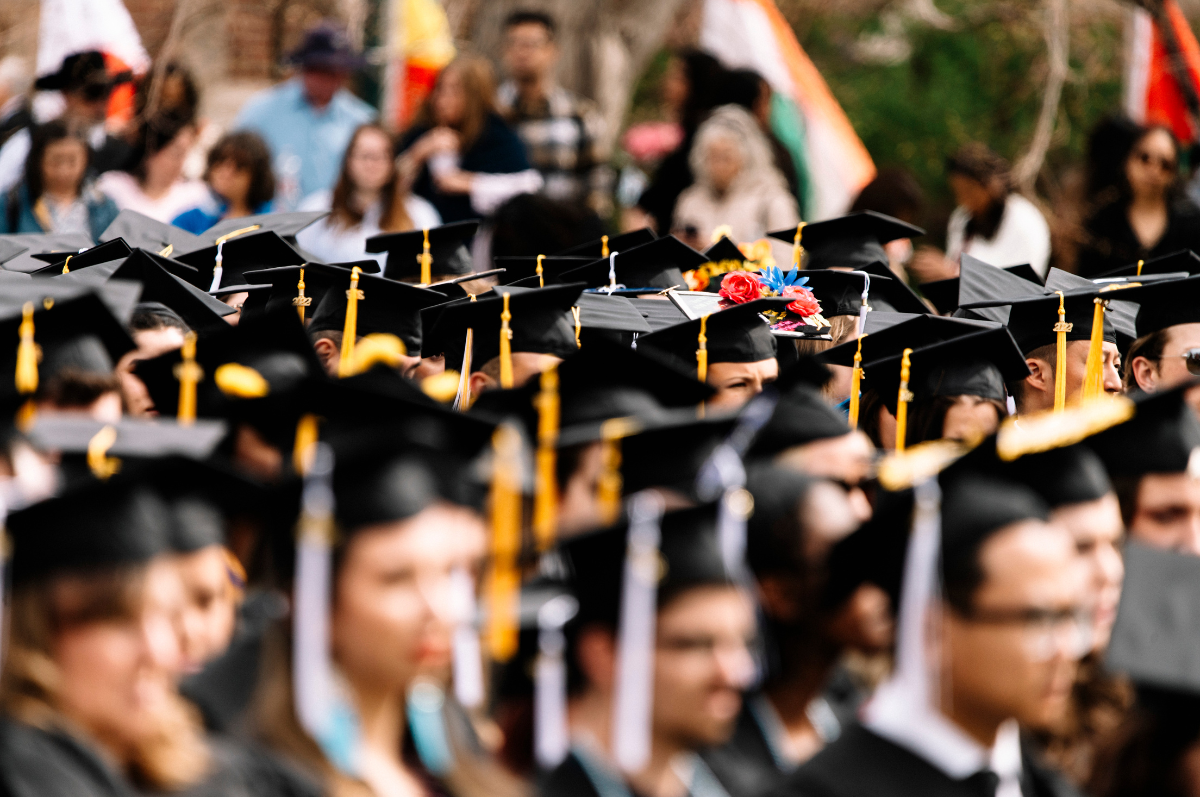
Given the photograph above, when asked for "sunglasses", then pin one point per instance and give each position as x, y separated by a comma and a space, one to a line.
1191, 359
1165, 164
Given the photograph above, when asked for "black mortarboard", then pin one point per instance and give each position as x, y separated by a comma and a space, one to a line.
851, 242
541, 323
840, 292
133, 438
892, 294
1160, 438
447, 246
658, 264
201, 495
777, 492
1063, 476
945, 293
115, 249
285, 225
724, 249
980, 282
143, 232
1032, 319
616, 243
250, 252
658, 313
524, 267
1164, 304
285, 283
1184, 260
1156, 637
690, 551
737, 334
801, 416
38, 243
977, 364
975, 505
385, 306
1120, 313
611, 318
94, 525
10, 249
912, 332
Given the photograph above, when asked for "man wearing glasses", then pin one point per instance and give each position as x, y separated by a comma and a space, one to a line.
1167, 350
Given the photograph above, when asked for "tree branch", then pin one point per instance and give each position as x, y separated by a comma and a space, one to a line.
1057, 33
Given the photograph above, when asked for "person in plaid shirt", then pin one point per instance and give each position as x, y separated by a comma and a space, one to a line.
562, 132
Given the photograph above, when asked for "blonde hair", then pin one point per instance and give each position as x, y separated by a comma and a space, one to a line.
175, 755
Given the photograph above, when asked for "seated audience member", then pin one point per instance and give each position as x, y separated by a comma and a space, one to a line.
240, 179
154, 185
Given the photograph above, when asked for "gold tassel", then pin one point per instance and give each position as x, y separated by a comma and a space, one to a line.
1140, 264
305, 446
902, 399
188, 373
426, 260
702, 351
506, 365
576, 312
103, 466
27, 354
797, 249
240, 381
855, 384
505, 582
67, 264
1060, 359
541, 277
376, 348
545, 497
350, 331
301, 301
236, 233
603, 246
1093, 374
610, 484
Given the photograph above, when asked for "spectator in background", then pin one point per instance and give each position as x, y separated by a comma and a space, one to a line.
154, 185
737, 184
896, 193
308, 120
369, 199
689, 92
240, 181
992, 222
55, 195
561, 130
1149, 215
459, 154
747, 88
86, 85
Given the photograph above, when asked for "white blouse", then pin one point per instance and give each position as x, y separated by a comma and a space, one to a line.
331, 243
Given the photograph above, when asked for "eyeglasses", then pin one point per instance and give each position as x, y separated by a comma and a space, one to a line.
1191, 359
1165, 164
1045, 632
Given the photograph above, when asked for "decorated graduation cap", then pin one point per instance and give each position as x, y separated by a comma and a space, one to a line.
362, 304
1185, 261
142, 232
62, 263
93, 526
648, 268
64, 243
607, 244
851, 242
1160, 438
536, 271
222, 268
504, 321
738, 334
445, 246
285, 225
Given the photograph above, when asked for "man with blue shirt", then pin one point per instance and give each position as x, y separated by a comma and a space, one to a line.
308, 120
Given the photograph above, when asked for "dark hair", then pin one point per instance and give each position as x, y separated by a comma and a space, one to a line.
528, 17
153, 136
704, 76
927, 417
156, 315
1047, 354
178, 94
978, 162
1149, 346
393, 216
40, 140
479, 91
1145, 755
1126, 488
894, 191
1176, 186
530, 224
251, 154
742, 87
962, 573
1109, 145
869, 405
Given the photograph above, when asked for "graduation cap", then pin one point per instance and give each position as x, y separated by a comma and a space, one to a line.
383, 306
889, 334
447, 250
724, 249
945, 293
1032, 319
133, 438
975, 364
801, 416
609, 318
62, 263
285, 225
738, 334
1163, 304
981, 282
525, 268
658, 313
841, 292
250, 252
300, 287
540, 322
1160, 438
10, 249
95, 525
1184, 260
142, 232
1119, 313
851, 242
605, 245
36, 243
648, 268
201, 496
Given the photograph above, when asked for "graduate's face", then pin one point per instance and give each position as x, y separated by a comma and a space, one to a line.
1171, 369
1097, 529
846, 460
209, 610
116, 676
394, 610
1014, 654
970, 418
150, 344
1167, 513
737, 383
1039, 393
701, 665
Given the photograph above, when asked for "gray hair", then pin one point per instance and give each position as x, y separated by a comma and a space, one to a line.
735, 123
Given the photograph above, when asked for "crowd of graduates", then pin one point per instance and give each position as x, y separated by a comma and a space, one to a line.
625, 519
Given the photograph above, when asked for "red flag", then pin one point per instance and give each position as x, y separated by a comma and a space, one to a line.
1162, 81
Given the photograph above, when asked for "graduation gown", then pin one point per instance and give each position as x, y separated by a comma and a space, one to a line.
863, 764
52, 763
581, 775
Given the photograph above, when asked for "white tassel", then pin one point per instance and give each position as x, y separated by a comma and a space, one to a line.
635, 639
612, 272
468, 658
312, 672
865, 308
217, 269
551, 739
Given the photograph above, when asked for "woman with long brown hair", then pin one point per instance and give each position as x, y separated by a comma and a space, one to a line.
460, 154
368, 199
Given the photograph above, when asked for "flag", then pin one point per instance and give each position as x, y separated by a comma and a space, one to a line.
1158, 89
831, 160
423, 44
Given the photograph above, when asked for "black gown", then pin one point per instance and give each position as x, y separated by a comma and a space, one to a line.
51, 763
863, 764
574, 778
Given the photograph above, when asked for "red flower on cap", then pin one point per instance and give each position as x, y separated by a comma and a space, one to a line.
805, 303
740, 287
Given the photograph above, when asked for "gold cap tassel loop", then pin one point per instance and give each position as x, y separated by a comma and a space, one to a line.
902, 399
